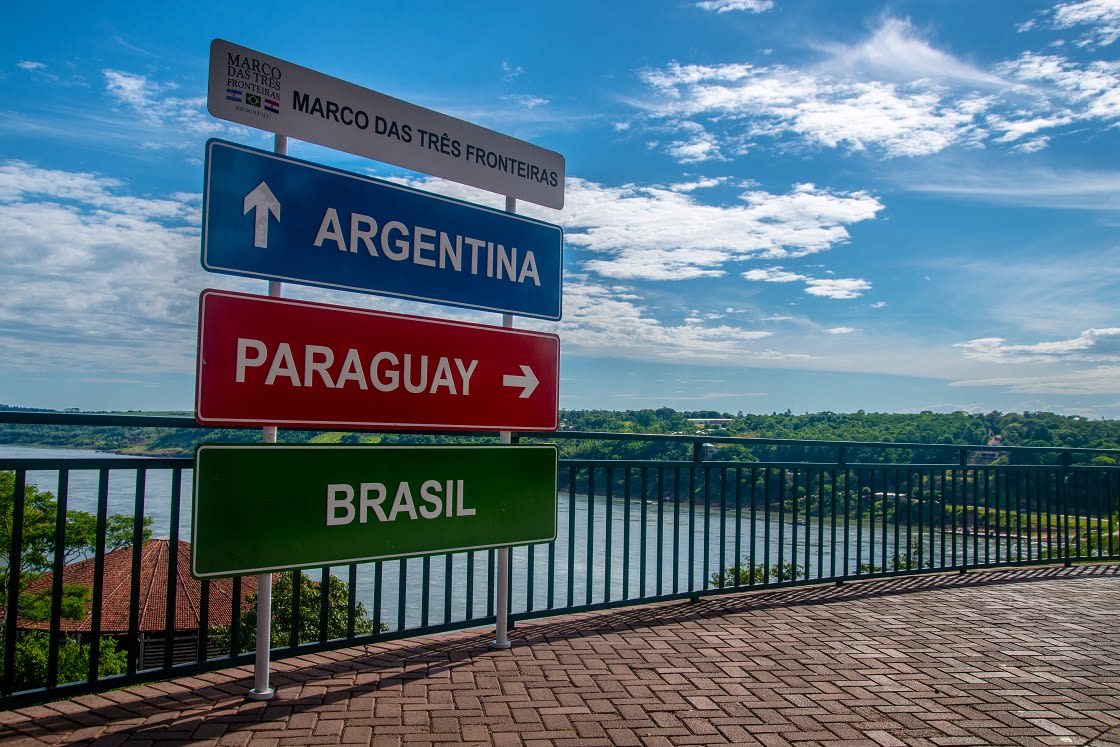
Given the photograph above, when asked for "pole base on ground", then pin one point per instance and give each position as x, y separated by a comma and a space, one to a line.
501, 645
265, 694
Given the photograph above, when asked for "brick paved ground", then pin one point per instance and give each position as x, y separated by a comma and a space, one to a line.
1011, 657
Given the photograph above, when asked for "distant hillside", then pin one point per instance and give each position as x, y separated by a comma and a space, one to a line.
1041, 429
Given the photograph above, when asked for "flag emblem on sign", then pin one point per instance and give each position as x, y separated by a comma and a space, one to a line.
252, 99
232, 94
272, 105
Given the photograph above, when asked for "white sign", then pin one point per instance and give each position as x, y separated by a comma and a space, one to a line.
260, 91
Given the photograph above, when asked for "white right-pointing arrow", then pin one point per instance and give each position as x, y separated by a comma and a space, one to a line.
264, 202
527, 381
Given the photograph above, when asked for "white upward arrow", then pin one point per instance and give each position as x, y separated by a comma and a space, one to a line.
527, 381
264, 202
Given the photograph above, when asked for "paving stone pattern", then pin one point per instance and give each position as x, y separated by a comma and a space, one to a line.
1008, 657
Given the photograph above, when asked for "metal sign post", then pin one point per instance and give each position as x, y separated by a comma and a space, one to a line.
261, 688
501, 612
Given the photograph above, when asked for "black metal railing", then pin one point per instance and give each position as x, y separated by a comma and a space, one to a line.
682, 525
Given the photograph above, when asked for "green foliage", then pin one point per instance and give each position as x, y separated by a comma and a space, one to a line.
32, 650
36, 606
1041, 429
912, 559
747, 574
39, 539
308, 619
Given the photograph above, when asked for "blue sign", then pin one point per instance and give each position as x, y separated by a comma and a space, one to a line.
270, 216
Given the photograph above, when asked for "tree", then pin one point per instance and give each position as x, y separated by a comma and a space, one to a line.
37, 557
39, 540
309, 606
32, 650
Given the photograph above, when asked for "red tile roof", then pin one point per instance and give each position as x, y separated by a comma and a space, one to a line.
117, 591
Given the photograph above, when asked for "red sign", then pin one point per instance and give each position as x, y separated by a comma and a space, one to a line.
276, 361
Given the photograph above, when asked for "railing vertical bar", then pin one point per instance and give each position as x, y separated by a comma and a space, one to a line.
706, 491
795, 501
933, 554
973, 487
57, 572
1019, 507
953, 513
448, 585
378, 592
627, 521
766, 491
530, 576
571, 535
754, 527
692, 523
807, 555
1003, 516
608, 534
352, 599
782, 522
131, 645
676, 528
988, 475
402, 591
832, 525
821, 522
847, 513
660, 551
722, 526
235, 618
172, 570
643, 511
203, 650
859, 518
491, 559
468, 594
1075, 501
589, 575
738, 525
297, 606
98, 574
944, 504
11, 614
324, 603
1112, 510
425, 589
1031, 482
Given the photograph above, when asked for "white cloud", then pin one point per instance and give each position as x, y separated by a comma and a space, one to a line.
894, 94
94, 279
1090, 345
527, 101
838, 288
1103, 16
698, 147
660, 233
841, 330
31, 65
896, 52
1083, 382
726, 6
153, 106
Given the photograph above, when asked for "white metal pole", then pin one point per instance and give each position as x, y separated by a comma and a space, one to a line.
501, 611
261, 689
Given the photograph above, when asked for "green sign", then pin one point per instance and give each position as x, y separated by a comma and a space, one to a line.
264, 508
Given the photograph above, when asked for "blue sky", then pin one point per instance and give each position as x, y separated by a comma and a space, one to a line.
771, 204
